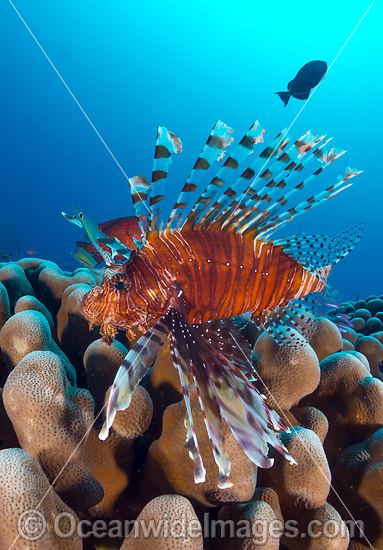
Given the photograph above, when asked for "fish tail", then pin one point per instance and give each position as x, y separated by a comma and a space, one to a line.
285, 96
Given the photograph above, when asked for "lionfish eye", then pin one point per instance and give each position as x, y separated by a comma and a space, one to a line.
120, 285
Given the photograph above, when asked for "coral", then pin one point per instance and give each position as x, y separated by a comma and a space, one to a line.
27, 303
326, 338
59, 416
305, 485
169, 465
29, 331
331, 399
373, 350
285, 374
312, 419
135, 420
256, 517
72, 329
29, 507
178, 530
101, 362
324, 530
5, 311
13, 278
358, 478
347, 382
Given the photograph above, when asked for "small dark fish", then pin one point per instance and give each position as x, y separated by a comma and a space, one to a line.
307, 78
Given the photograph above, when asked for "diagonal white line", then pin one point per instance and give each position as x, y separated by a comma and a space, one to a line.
84, 437
288, 423
77, 102
301, 109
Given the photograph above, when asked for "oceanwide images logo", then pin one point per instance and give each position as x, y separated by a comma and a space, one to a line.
33, 526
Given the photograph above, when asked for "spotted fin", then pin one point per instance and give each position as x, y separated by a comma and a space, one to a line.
319, 253
213, 150
134, 367
292, 324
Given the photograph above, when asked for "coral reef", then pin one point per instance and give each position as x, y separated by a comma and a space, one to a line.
56, 375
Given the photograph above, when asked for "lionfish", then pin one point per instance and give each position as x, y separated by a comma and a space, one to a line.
209, 262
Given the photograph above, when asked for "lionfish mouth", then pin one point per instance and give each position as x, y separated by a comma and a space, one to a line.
91, 306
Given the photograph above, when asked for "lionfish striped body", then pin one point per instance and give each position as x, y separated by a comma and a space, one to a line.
221, 275
214, 260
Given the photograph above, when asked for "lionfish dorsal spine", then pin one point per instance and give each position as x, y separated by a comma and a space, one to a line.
213, 150
237, 156
167, 143
139, 190
269, 179
225, 204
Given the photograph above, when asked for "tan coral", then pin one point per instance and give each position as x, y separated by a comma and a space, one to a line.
5, 311
285, 374
53, 281
176, 521
252, 526
373, 350
72, 328
29, 508
111, 461
318, 529
26, 303
169, 466
101, 362
326, 339
358, 478
347, 345
349, 334
13, 278
135, 420
51, 419
350, 398
164, 387
305, 485
29, 331
312, 419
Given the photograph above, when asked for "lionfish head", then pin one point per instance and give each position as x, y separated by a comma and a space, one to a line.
106, 304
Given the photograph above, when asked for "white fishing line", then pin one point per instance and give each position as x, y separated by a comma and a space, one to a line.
76, 101
288, 423
303, 107
84, 437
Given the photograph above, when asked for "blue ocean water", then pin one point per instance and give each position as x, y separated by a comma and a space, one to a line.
133, 66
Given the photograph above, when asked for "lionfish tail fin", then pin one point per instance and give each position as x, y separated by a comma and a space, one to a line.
134, 367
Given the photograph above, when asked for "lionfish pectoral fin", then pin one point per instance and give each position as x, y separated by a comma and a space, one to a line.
224, 392
134, 367
291, 324
185, 345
